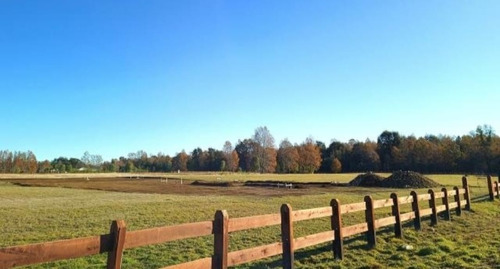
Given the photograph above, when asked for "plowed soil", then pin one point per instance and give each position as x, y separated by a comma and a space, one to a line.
172, 186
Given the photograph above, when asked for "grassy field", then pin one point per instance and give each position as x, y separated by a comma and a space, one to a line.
37, 214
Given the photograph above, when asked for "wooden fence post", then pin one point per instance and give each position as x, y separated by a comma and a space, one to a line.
221, 239
287, 235
371, 235
338, 242
446, 203
497, 187
432, 205
416, 209
490, 188
457, 199
465, 185
397, 214
117, 231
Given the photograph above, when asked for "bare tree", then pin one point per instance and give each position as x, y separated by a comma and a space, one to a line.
266, 154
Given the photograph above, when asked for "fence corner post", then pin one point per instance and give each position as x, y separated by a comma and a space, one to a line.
416, 210
490, 188
117, 231
287, 236
338, 241
465, 185
397, 215
446, 203
221, 239
371, 235
432, 205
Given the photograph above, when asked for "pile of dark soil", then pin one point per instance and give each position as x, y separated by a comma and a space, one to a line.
367, 180
212, 184
408, 179
398, 179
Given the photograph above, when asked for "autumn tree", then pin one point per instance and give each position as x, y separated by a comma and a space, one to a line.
266, 152
179, 162
287, 157
6, 161
309, 156
31, 163
230, 157
336, 166
44, 167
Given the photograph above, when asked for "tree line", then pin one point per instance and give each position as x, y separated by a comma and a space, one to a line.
477, 152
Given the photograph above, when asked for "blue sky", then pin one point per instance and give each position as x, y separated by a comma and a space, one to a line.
113, 77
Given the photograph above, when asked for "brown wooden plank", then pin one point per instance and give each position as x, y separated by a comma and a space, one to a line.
287, 235
385, 222
407, 216
425, 212
440, 208
221, 240
424, 197
355, 229
204, 263
117, 231
166, 234
382, 203
253, 254
438, 195
351, 208
245, 223
313, 239
54, 251
405, 200
312, 213
453, 205
497, 188
336, 224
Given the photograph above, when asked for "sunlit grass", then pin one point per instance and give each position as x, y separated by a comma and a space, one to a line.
38, 214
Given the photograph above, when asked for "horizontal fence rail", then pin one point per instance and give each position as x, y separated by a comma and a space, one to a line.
428, 204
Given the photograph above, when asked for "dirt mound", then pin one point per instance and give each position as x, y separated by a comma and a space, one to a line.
212, 184
366, 180
408, 179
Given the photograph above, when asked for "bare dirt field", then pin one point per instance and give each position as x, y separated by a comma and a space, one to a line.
173, 186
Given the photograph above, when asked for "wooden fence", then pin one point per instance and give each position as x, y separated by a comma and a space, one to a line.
119, 239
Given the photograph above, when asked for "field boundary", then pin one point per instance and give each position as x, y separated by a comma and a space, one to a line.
444, 201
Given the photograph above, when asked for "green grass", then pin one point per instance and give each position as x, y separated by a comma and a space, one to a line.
34, 214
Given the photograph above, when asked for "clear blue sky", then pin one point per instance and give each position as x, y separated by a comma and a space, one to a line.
114, 77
